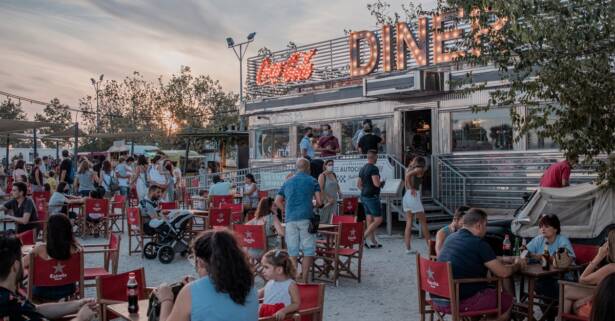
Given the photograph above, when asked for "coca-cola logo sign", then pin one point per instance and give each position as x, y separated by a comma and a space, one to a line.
297, 67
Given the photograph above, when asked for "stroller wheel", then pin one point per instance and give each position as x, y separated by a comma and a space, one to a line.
184, 253
150, 250
166, 254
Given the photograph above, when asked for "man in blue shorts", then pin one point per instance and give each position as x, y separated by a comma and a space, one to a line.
295, 197
369, 183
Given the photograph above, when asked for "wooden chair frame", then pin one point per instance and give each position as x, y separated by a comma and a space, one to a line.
114, 216
137, 233
426, 307
316, 313
110, 256
103, 303
102, 225
562, 316
334, 260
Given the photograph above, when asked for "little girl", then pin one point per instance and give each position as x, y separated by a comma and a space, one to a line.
280, 294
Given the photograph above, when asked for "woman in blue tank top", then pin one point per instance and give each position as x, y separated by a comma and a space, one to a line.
447, 230
225, 289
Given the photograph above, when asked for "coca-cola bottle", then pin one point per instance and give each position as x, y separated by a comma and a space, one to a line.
133, 297
506, 246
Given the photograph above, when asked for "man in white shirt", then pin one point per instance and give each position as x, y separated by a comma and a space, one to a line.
123, 172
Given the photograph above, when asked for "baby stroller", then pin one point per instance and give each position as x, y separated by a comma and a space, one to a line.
170, 237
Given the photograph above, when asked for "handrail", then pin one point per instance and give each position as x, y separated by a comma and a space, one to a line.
451, 191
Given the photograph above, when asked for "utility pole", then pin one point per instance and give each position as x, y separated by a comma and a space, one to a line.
96, 85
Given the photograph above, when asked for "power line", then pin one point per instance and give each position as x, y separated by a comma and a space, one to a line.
38, 102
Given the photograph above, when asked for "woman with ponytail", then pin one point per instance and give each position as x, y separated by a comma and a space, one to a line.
225, 288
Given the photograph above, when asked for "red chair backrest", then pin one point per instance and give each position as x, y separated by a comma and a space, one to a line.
218, 200
194, 182
41, 209
263, 194
339, 219
133, 217
55, 272
312, 296
220, 217
113, 287
168, 205
9, 184
584, 253
350, 205
41, 195
351, 234
434, 277
251, 236
118, 201
235, 208
27, 237
96, 207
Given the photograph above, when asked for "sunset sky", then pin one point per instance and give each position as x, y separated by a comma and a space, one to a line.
52, 48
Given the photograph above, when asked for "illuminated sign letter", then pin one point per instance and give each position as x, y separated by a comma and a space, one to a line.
356, 69
440, 36
386, 47
478, 31
405, 38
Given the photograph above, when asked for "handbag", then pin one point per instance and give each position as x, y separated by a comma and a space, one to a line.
153, 306
562, 259
314, 222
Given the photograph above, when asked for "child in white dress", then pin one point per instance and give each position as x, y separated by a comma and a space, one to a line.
280, 294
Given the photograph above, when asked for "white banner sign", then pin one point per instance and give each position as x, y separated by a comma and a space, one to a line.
347, 171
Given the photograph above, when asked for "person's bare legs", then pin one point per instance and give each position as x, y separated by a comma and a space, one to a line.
424, 227
372, 225
408, 230
306, 263
293, 260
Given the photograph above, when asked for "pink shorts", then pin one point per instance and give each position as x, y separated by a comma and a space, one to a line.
483, 300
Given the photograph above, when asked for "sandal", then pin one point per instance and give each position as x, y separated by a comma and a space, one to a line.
367, 245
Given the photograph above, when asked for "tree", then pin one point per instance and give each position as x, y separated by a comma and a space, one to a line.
11, 110
558, 59
57, 114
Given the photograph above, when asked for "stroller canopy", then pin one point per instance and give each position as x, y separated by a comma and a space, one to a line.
584, 211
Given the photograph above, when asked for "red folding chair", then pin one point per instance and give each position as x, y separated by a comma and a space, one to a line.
111, 289
263, 194
27, 237
168, 205
135, 231
133, 197
41, 195
584, 253
338, 257
219, 200
111, 255
118, 212
437, 278
236, 212
96, 216
56, 273
219, 217
350, 206
339, 219
432, 250
252, 237
312, 304
566, 285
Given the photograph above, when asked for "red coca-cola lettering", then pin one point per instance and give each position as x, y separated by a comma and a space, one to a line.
297, 67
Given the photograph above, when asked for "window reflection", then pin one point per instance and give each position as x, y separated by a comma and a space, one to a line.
351, 131
272, 143
490, 130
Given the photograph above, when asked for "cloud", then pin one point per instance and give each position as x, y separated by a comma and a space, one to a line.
52, 48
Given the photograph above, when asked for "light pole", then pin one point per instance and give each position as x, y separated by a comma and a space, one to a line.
96, 85
243, 47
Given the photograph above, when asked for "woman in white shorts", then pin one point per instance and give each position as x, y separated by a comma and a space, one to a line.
412, 202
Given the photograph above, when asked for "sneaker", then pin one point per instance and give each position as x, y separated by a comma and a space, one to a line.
367, 246
376, 246
410, 252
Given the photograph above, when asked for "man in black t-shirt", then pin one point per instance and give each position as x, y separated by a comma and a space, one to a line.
66, 169
14, 306
23, 208
369, 183
369, 141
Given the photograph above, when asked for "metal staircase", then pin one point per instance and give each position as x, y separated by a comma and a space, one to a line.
495, 180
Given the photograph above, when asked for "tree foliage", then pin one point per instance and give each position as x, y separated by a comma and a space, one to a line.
9, 109
558, 58
56, 113
162, 106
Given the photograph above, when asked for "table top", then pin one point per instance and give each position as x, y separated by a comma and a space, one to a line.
535, 270
121, 309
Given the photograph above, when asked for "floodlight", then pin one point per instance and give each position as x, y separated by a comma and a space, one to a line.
251, 36
230, 42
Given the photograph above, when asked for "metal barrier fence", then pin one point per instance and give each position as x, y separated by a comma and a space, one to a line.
271, 177
451, 190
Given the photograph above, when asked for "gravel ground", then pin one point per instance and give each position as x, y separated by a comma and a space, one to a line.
387, 290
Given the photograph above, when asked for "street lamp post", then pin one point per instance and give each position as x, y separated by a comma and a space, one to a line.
96, 85
243, 47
